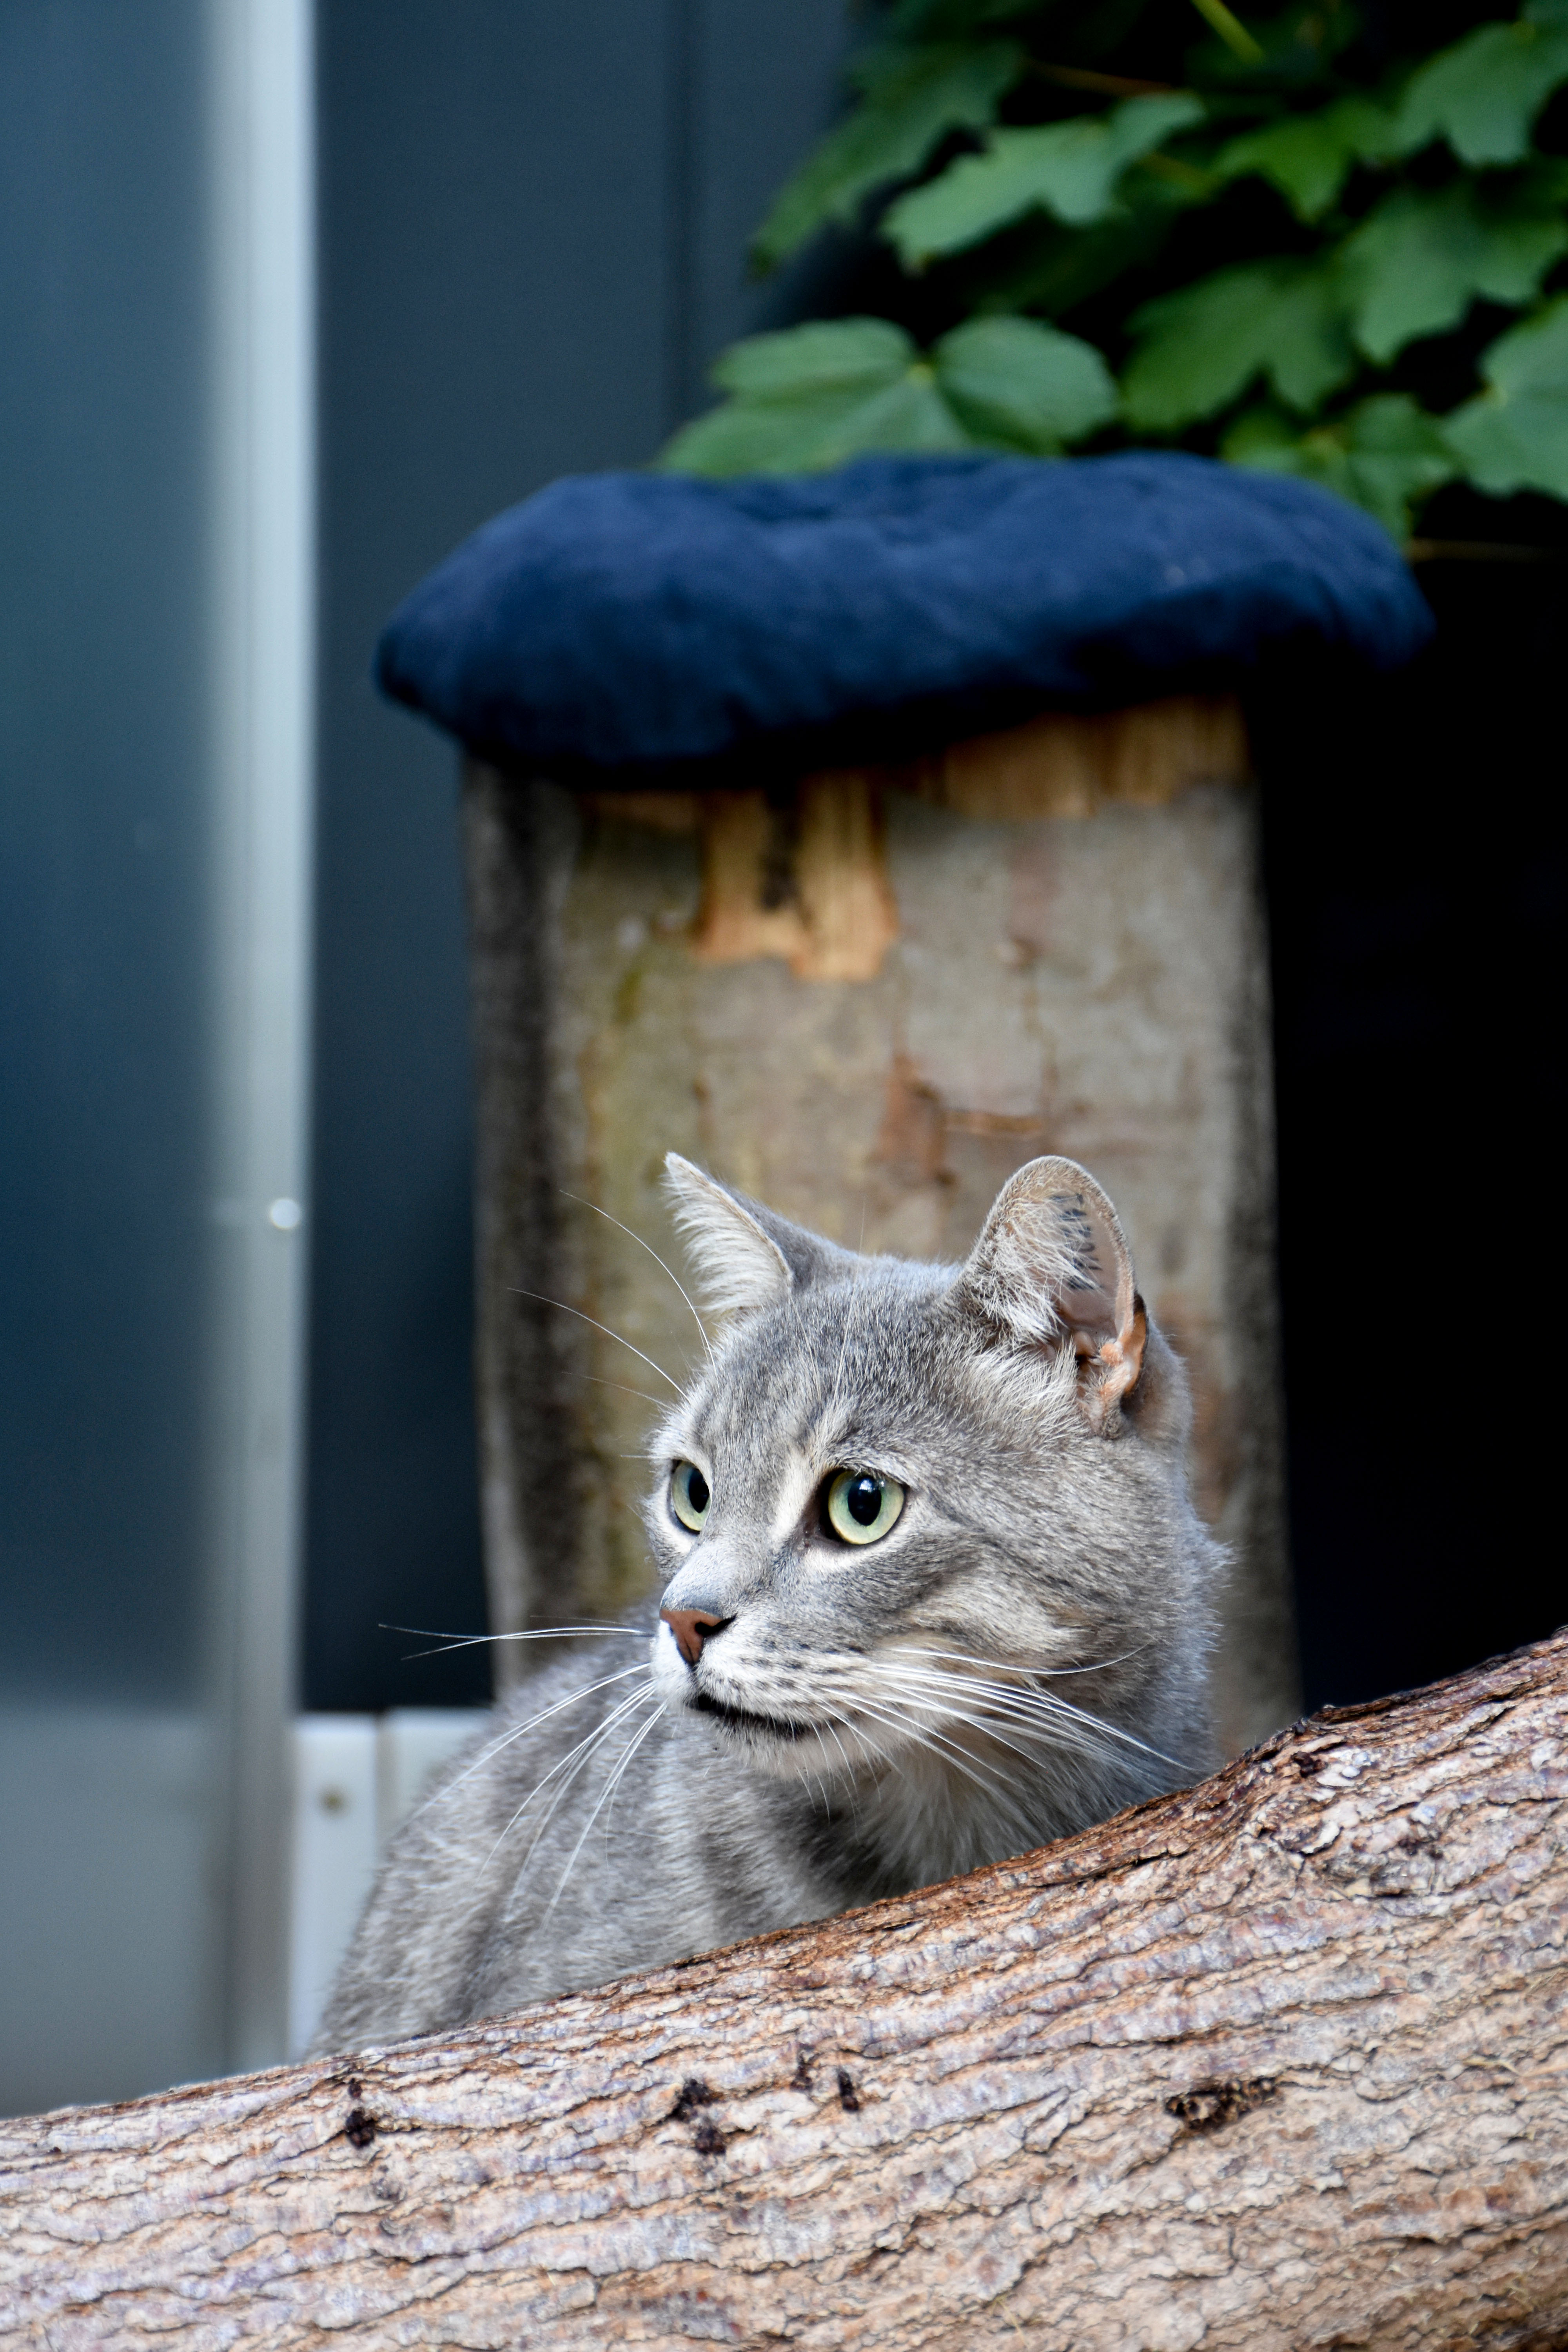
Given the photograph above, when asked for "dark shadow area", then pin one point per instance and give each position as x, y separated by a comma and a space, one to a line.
1415, 870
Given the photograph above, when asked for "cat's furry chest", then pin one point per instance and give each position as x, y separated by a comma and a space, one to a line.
498, 1892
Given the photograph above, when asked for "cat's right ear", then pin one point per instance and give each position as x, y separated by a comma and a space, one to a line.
1052, 1268
744, 1257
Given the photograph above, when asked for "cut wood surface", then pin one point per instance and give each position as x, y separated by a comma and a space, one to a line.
1282, 2061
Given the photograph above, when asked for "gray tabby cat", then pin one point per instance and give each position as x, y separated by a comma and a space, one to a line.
934, 1592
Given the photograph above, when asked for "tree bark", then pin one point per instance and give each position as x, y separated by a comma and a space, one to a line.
1279, 2062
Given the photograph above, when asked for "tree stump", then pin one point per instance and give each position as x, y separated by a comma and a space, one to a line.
867, 996
1280, 2062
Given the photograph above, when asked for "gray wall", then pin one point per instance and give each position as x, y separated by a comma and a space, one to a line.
534, 226
110, 1944
102, 570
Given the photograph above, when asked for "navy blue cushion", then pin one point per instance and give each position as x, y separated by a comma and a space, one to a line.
652, 619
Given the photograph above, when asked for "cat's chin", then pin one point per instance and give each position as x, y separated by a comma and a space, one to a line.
778, 1745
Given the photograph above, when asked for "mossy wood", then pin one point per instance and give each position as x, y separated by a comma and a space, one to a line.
866, 998
1278, 2061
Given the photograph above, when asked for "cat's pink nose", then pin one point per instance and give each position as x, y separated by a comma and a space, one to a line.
689, 1627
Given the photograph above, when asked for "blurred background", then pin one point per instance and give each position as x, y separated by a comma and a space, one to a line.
290, 300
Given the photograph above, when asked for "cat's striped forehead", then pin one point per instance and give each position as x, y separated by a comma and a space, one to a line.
862, 1356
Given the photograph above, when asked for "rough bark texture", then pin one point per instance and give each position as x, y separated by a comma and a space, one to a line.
868, 998
1282, 2062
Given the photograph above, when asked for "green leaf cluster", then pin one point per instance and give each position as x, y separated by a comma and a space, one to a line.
812, 396
1246, 231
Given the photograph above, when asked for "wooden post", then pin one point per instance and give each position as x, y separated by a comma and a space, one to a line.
1273, 2063
866, 999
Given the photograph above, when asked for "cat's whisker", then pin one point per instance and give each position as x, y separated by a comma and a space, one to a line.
590, 1748
1009, 1667
571, 1764
622, 1390
1103, 1729
572, 1698
1051, 1707
997, 1699
835, 1718
985, 1721
869, 1746
1035, 1715
620, 1772
474, 1641
1053, 1699
696, 1318
1002, 1698
605, 1327
607, 1790
924, 1735
1050, 1704
868, 1753
579, 1758
575, 1757
986, 1728
922, 1653
984, 1734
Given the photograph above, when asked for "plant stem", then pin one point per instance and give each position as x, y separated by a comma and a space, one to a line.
1109, 85
1231, 30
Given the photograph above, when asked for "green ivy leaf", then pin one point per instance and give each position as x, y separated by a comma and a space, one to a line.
797, 393
1070, 169
745, 436
1202, 346
1308, 156
1385, 455
811, 396
827, 355
911, 102
1017, 383
908, 414
806, 436
1483, 95
1514, 435
1419, 260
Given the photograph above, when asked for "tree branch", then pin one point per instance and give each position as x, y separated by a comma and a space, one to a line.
1282, 2061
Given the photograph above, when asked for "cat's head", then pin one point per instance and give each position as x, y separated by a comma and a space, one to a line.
909, 1510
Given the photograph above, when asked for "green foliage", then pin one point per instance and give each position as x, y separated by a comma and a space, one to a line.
1483, 95
1385, 453
1514, 436
813, 395
1277, 239
1308, 157
1023, 385
912, 100
1072, 169
1203, 347
1419, 260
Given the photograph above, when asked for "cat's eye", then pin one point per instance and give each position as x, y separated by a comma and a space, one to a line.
689, 1495
862, 1507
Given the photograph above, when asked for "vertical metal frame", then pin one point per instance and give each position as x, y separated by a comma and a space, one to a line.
263, 507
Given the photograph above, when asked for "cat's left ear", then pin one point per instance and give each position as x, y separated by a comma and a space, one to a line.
1052, 1267
743, 1257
